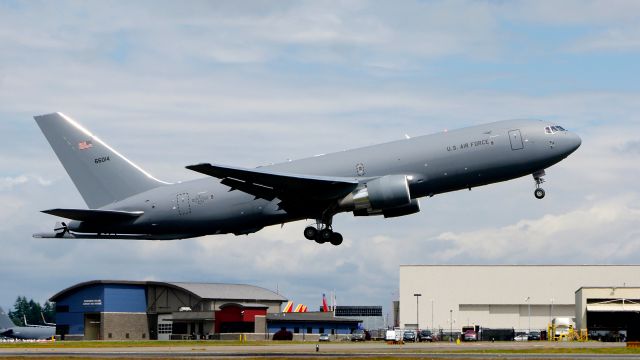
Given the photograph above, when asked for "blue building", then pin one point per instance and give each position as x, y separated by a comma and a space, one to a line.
311, 323
137, 310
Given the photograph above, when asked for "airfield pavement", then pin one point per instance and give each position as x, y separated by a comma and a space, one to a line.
379, 350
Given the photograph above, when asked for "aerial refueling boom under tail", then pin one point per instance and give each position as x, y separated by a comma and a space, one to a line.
126, 202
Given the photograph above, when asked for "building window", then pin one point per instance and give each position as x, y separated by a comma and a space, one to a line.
126, 335
144, 335
296, 330
165, 328
110, 335
309, 330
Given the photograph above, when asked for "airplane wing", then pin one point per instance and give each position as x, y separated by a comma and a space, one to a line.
290, 188
103, 216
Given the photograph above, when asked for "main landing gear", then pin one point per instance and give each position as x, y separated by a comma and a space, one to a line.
538, 177
322, 233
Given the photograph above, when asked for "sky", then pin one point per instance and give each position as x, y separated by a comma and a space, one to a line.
248, 83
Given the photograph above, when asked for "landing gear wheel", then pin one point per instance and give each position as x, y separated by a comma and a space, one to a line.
336, 239
539, 193
310, 233
325, 235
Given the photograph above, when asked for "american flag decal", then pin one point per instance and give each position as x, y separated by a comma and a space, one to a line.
84, 145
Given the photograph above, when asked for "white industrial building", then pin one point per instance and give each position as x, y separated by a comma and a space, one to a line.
500, 296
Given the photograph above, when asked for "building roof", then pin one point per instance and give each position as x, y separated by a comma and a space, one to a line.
310, 316
201, 290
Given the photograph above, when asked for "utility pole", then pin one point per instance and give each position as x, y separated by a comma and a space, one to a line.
417, 308
433, 330
528, 300
450, 325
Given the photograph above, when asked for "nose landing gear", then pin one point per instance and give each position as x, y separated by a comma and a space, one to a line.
538, 177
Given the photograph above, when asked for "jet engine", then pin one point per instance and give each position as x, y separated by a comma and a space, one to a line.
388, 195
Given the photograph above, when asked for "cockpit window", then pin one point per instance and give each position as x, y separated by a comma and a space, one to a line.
553, 129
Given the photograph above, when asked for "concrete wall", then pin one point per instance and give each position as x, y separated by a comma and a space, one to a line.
494, 295
121, 324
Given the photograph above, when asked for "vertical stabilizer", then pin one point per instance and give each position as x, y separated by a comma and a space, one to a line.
5, 320
101, 174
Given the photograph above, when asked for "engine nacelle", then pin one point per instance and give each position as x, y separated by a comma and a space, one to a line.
387, 192
412, 208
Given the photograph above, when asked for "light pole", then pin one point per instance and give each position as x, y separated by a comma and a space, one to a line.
529, 310
551, 312
432, 328
450, 325
417, 308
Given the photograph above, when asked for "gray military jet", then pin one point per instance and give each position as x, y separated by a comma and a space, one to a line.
125, 202
32, 332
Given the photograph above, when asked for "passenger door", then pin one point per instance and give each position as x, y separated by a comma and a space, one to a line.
516, 140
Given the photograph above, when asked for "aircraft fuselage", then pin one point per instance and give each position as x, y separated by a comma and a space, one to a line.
433, 164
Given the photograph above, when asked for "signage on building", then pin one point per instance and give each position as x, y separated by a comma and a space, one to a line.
92, 302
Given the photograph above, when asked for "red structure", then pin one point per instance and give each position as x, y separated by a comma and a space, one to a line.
235, 317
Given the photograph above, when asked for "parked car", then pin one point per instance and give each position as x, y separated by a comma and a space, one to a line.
409, 336
534, 335
358, 335
425, 335
521, 337
324, 337
470, 335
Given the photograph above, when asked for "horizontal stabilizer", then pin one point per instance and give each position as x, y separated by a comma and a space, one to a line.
104, 216
267, 184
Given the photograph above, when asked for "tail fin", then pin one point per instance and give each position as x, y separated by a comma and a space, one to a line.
99, 172
5, 320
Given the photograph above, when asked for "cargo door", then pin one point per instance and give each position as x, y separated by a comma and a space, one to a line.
182, 203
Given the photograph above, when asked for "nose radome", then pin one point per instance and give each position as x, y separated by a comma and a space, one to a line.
576, 141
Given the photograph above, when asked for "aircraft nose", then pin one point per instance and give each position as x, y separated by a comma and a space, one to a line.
572, 142
575, 141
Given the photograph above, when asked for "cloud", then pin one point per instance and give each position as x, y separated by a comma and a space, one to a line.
8, 183
612, 39
607, 237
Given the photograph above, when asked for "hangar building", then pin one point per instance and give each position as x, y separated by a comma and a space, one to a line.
108, 309
508, 296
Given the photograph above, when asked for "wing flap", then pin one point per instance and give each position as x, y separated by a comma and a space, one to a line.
267, 184
95, 215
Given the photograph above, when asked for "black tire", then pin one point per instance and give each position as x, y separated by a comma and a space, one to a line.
310, 233
336, 239
325, 235
539, 193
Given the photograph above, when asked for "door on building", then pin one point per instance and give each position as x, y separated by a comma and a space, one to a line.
516, 140
165, 327
92, 326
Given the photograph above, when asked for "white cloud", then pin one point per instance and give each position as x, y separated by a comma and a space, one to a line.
611, 39
603, 232
8, 182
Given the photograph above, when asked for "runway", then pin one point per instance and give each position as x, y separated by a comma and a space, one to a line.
481, 350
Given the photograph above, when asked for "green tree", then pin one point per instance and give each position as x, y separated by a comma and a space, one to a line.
32, 311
